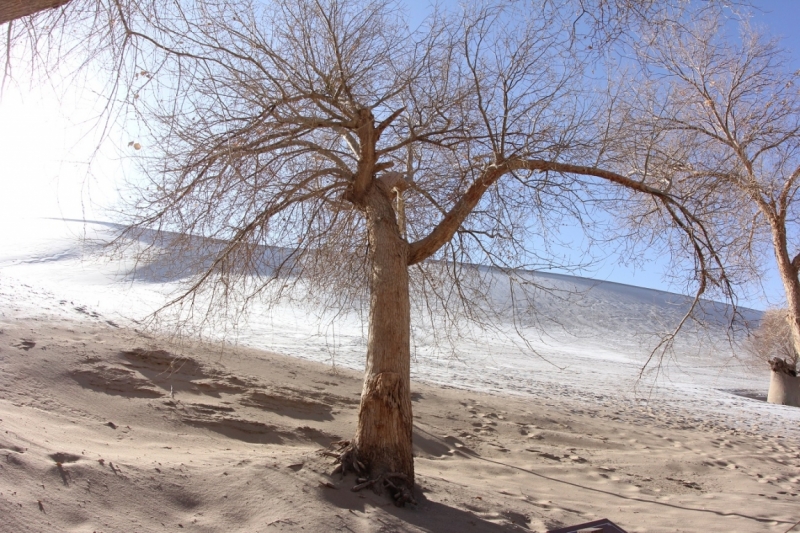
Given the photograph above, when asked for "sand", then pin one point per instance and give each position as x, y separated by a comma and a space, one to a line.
105, 428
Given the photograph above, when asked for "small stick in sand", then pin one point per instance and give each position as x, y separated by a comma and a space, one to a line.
794, 526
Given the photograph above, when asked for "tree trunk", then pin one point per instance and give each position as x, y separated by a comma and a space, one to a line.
14, 9
784, 385
383, 438
791, 283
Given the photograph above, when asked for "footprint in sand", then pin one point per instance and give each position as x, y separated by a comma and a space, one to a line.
63, 457
24, 344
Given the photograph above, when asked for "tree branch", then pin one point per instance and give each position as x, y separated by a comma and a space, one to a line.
447, 227
443, 232
385, 124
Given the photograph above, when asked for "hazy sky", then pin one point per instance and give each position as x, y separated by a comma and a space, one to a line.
46, 140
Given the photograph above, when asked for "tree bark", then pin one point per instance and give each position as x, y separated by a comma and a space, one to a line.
14, 9
791, 283
784, 385
383, 436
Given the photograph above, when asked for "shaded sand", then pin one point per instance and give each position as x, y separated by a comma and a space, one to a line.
106, 429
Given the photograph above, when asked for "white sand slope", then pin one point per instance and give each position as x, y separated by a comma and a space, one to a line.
104, 428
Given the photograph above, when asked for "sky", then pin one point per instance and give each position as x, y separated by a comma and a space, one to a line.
780, 17
48, 134
48, 138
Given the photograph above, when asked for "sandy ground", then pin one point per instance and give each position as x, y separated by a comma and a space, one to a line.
106, 429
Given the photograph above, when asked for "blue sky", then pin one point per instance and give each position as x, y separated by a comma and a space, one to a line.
781, 18
45, 141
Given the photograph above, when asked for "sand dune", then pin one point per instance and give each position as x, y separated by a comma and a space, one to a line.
106, 428
103, 428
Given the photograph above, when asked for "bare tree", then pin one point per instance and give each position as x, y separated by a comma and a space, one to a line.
720, 117
772, 344
773, 338
323, 143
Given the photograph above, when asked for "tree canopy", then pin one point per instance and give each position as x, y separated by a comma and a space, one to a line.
329, 141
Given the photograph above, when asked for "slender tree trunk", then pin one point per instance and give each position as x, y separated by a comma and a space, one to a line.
792, 288
14, 9
383, 438
784, 387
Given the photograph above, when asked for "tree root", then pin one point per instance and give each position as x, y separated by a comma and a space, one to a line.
345, 458
395, 483
399, 492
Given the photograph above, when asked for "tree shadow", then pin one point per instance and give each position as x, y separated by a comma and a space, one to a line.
428, 446
427, 515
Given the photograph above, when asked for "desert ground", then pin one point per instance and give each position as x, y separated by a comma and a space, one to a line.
104, 428
107, 426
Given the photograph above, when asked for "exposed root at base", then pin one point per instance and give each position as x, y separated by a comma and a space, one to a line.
345, 456
395, 483
399, 492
